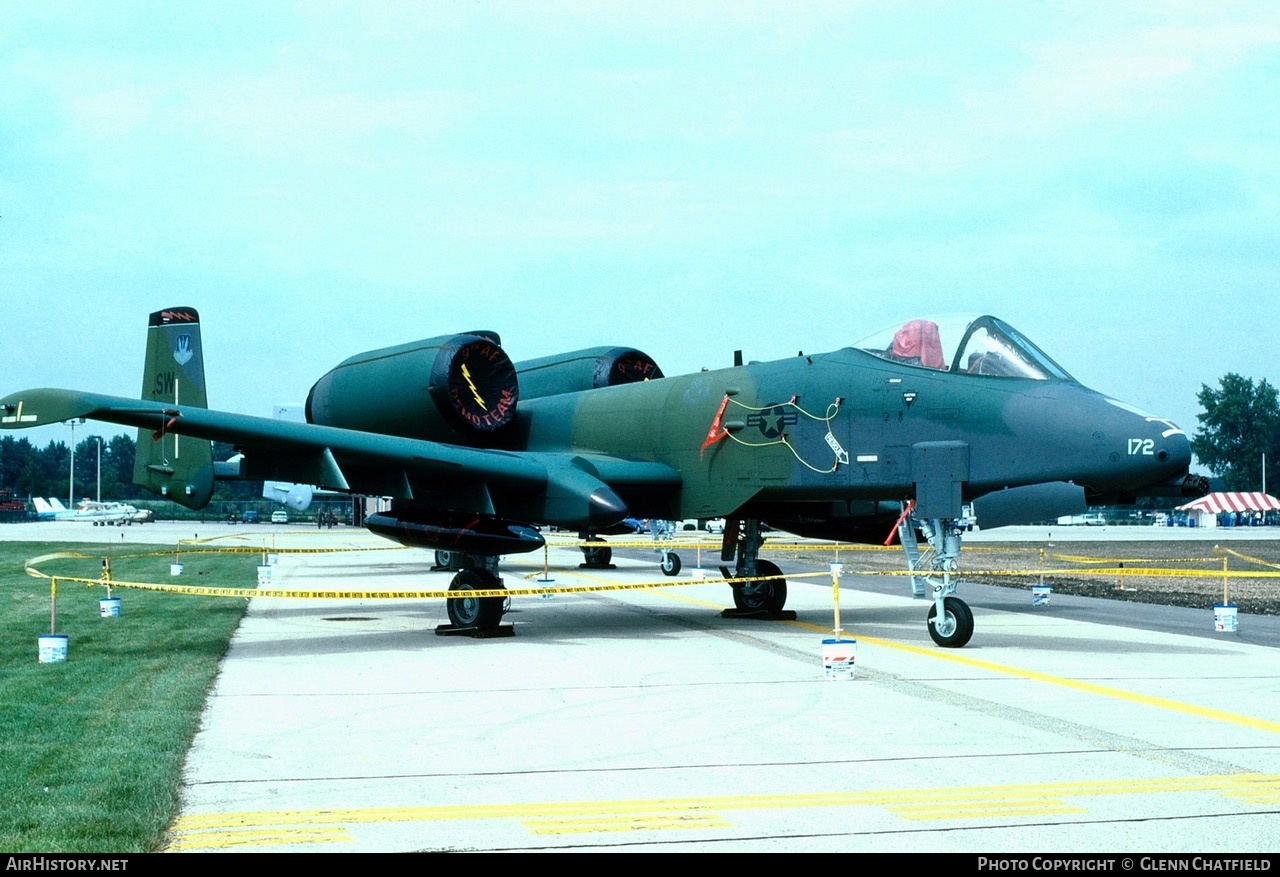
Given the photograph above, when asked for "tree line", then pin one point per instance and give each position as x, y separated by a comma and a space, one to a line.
1239, 428
28, 470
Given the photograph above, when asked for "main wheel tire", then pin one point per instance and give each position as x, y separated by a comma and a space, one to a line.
474, 612
443, 559
768, 593
598, 557
956, 628
670, 564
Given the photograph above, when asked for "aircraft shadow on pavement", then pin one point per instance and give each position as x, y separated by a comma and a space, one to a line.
354, 628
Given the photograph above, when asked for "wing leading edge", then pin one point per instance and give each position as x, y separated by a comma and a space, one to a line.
572, 490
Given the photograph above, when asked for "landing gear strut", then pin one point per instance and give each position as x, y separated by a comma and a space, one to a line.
765, 594
950, 620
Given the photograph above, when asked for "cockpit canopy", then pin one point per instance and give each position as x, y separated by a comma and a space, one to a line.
964, 345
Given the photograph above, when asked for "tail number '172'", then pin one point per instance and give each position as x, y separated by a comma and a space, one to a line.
1143, 447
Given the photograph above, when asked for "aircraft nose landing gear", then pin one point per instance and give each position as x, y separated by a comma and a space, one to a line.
950, 620
663, 533
670, 563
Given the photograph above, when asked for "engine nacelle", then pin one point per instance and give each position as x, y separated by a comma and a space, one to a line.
587, 369
441, 389
449, 530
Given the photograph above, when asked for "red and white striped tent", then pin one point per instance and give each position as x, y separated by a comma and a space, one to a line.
1216, 503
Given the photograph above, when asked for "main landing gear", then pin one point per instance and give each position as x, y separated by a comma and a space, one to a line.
764, 594
600, 556
474, 615
597, 556
950, 620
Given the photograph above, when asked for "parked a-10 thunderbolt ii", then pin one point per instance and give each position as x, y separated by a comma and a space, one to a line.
474, 450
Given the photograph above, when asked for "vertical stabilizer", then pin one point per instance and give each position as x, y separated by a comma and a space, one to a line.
175, 466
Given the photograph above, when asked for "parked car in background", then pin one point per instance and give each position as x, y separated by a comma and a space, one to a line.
249, 517
280, 516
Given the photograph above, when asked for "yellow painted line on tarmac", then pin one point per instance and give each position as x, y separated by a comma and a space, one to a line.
955, 657
940, 654
1262, 790
287, 827
646, 822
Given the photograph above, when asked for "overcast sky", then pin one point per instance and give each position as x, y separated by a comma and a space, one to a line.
320, 179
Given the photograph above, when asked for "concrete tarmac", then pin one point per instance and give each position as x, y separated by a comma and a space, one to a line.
643, 720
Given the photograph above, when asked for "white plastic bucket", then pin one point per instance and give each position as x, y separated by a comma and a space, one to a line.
264, 574
838, 658
175, 569
109, 607
699, 574
1225, 619
53, 648
272, 559
1040, 595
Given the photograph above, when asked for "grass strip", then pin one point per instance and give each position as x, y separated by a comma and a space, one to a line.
91, 750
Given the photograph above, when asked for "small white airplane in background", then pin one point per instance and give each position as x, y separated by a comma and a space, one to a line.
98, 512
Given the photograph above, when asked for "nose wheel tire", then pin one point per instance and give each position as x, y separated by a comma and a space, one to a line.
474, 612
767, 593
670, 563
955, 628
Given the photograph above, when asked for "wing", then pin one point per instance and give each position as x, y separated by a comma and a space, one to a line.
577, 491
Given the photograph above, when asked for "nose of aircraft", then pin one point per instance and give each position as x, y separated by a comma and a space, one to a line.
1152, 454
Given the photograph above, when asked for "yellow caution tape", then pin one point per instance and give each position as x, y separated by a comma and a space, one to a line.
29, 566
1246, 557
246, 593
1076, 558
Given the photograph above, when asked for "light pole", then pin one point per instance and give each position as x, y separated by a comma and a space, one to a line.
71, 486
99, 438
